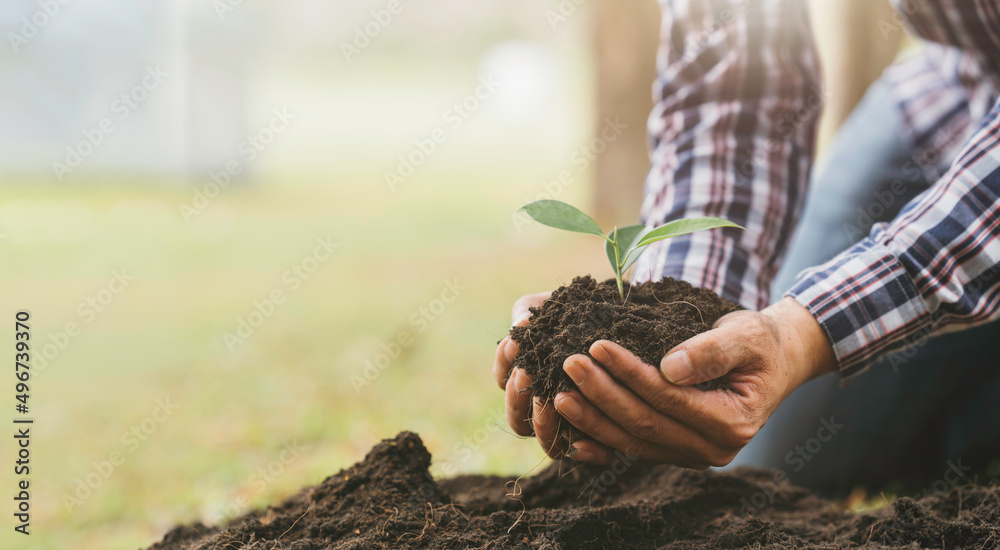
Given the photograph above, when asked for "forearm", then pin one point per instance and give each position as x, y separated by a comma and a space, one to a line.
935, 268
732, 134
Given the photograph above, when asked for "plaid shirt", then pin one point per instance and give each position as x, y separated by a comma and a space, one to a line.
737, 102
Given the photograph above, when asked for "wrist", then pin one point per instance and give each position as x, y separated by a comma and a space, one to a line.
805, 348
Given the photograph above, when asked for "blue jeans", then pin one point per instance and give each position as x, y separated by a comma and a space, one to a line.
914, 420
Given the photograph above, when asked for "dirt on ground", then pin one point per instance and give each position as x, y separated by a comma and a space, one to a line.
389, 500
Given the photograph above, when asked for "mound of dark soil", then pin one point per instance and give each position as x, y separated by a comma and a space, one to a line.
655, 317
390, 501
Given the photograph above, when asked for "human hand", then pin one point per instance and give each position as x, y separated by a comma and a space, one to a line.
517, 383
658, 415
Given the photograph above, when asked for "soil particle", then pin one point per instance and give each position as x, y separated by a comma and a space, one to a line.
390, 501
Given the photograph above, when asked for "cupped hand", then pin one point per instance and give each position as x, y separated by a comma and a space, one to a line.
660, 415
516, 382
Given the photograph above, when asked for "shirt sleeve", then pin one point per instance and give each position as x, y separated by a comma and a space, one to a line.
933, 269
732, 135
972, 27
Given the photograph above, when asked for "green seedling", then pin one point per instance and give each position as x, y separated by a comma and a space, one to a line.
624, 245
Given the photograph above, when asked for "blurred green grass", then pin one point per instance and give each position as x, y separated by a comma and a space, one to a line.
163, 336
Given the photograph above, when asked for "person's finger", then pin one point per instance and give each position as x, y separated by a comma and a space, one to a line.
586, 450
518, 401
626, 367
711, 354
631, 411
546, 424
508, 348
708, 413
645, 380
520, 314
575, 408
504, 360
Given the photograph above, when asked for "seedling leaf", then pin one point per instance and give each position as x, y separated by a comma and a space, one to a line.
562, 216
623, 246
627, 236
683, 227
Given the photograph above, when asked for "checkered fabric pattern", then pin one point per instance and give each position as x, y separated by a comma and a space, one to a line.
737, 102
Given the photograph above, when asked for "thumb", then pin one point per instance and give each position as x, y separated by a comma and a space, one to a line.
521, 312
707, 356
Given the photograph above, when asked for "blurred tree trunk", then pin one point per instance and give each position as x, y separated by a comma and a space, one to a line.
854, 53
625, 38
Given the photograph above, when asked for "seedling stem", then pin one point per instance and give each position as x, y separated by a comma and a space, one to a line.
632, 239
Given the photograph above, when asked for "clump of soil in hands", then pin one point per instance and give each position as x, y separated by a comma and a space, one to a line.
655, 317
390, 501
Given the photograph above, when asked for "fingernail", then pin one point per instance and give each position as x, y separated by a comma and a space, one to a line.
539, 403
676, 366
510, 349
568, 407
597, 349
576, 372
520, 380
583, 455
